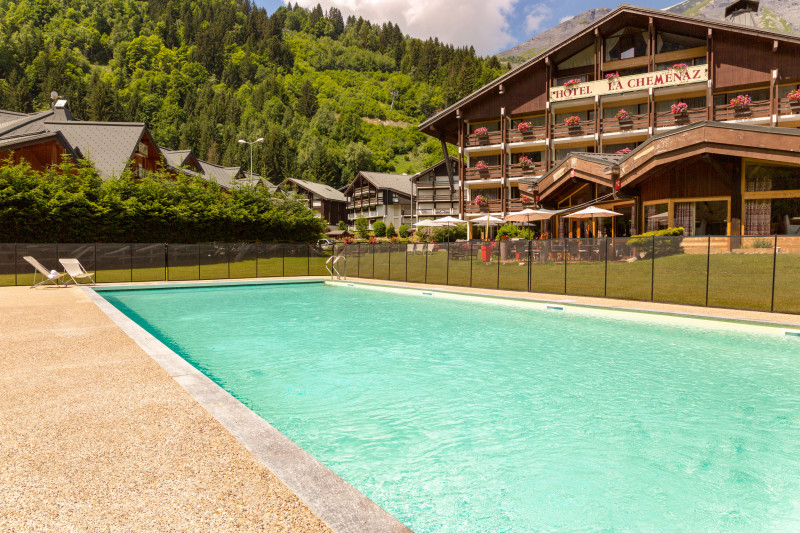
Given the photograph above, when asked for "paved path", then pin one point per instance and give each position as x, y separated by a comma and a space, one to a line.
96, 436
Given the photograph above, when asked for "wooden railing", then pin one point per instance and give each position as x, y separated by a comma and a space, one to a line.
666, 118
536, 133
492, 172
754, 110
493, 137
516, 171
496, 206
788, 107
562, 130
635, 122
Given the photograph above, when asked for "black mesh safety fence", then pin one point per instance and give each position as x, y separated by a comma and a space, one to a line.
752, 273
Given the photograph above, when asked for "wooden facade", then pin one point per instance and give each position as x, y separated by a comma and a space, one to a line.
611, 88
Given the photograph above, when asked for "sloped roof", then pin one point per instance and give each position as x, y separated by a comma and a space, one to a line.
396, 182
32, 123
223, 176
108, 145
320, 189
175, 158
8, 116
453, 160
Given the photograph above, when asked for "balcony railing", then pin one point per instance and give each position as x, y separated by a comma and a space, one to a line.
536, 133
492, 172
497, 206
666, 118
516, 171
754, 110
561, 131
493, 137
634, 122
787, 106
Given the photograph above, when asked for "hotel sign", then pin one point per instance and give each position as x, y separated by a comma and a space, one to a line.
636, 82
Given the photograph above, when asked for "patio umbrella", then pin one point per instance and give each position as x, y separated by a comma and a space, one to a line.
593, 212
530, 215
487, 219
448, 222
427, 223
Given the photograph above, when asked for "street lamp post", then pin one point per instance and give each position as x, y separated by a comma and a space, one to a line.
242, 141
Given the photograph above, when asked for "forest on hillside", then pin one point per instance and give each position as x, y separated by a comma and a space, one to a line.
329, 95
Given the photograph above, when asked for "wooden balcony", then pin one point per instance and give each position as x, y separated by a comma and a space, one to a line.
496, 206
493, 137
615, 125
492, 172
561, 131
536, 133
516, 171
666, 118
754, 110
788, 107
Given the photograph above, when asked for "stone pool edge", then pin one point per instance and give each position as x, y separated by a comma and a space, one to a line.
331, 498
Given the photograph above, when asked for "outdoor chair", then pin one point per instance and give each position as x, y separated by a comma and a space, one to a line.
50, 276
75, 271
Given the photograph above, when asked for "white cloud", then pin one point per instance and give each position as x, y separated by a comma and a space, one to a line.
564, 19
478, 23
537, 14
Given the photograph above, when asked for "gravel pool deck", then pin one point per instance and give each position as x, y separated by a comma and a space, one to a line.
96, 436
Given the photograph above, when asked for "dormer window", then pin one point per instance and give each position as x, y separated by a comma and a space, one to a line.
627, 43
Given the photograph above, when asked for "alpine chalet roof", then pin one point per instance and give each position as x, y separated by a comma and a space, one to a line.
437, 124
320, 189
175, 158
224, 176
8, 116
400, 183
434, 166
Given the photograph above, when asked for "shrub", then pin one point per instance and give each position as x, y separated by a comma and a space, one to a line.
527, 233
342, 225
449, 233
663, 244
390, 231
508, 230
403, 230
379, 228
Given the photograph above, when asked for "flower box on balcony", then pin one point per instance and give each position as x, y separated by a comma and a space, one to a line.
481, 132
524, 127
680, 109
525, 162
794, 96
481, 166
623, 115
573, 121
481, 201
612, 75
570, 83
679, 66
742, 101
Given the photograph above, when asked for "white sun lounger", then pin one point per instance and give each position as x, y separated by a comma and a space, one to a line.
75, 271
50, 276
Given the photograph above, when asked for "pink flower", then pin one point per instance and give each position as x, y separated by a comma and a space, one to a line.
480, 132
573, 121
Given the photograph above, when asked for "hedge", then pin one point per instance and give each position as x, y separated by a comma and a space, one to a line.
72, 203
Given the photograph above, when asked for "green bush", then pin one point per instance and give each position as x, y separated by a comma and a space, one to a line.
72, 203
508, 230
663, 246
342, 225
403, 230
362, 227
527, 233
390, 231
449, 233
379, 228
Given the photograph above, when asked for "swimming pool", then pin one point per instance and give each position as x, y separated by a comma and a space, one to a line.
484, 415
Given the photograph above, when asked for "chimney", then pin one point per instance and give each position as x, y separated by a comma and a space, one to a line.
742, 12
61, 112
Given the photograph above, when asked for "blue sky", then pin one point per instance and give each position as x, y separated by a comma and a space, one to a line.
490, 26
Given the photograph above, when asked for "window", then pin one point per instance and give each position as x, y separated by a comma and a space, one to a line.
691, 62
632, 71
564, 79
756, 95
490, 194
633, 109
671, 42
536, 157
490, 160
784, 90
625, 44
704, 217
534, 121
766, 177
765, 213
491, 126
585, 116
656, 216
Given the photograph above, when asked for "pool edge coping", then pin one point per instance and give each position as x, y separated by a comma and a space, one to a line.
334, 501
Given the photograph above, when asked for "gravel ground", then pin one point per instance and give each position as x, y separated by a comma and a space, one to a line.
95, 436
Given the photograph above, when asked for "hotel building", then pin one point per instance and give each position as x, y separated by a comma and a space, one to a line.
667, 119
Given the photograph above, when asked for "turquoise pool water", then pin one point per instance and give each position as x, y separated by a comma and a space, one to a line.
462, 416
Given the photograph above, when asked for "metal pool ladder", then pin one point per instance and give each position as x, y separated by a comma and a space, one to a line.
330, 266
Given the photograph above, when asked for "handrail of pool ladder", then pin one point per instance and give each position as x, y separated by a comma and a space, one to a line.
332, 260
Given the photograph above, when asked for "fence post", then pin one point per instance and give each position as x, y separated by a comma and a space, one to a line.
425, 251
166, 261
358, 262
258, 254
653, 269
566, 246
470, 263
605, 272
16, 281
774, 265
499, 255
283, 259
530, 256
228, 254
131, 249
389, 275
447, 270
199, 260
406, 262
708, 266
308, 256
373, 259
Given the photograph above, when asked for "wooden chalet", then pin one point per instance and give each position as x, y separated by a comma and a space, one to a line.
435, 191
330, 203
668, 119
379, 196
